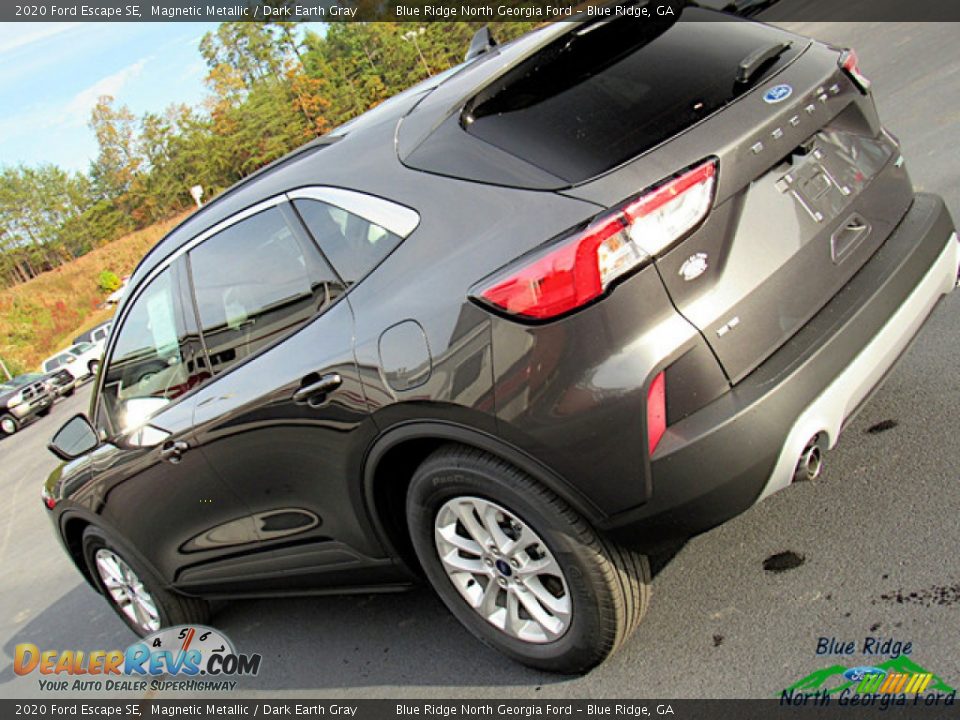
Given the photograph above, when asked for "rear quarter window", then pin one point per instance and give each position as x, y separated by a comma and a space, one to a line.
354, 245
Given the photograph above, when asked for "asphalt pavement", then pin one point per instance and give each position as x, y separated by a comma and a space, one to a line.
874, 541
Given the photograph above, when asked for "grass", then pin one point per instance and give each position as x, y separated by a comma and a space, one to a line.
42, 316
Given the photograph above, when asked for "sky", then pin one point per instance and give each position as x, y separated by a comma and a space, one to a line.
51, 75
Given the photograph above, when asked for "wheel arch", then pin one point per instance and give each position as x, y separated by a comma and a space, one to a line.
71, 531
394, 456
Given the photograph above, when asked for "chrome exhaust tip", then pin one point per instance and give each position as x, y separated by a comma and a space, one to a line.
956, 239
810, 464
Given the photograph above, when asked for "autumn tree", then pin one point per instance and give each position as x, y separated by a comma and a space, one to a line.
118, 159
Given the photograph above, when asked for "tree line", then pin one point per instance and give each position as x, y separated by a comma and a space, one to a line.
271, 88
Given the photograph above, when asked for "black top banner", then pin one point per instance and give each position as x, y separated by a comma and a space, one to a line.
466, 10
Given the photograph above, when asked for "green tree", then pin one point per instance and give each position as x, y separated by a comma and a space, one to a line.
108, 281
118, 160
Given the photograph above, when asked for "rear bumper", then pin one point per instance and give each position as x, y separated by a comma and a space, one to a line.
744, 446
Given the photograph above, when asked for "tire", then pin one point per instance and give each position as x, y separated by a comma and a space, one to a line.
45, 411
69, 392
93, 366
608, 587
8, 424
171, 608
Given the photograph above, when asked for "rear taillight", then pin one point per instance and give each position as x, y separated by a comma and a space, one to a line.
849, 63
656, 411
581, 267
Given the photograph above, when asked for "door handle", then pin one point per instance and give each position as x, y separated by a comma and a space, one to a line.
172, 452
316, 392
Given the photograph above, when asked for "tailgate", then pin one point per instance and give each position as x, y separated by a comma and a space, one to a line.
791, 240
809, 186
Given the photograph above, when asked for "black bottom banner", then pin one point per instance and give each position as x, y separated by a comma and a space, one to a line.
786, 707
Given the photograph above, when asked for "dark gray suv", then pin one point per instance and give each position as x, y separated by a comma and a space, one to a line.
591, 292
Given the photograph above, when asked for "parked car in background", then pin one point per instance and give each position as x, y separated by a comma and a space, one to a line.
22, 399
97, 335
117, 295
59, 383
81, 360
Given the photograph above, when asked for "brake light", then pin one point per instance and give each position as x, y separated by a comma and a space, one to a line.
580, 268
849, 63
656, 411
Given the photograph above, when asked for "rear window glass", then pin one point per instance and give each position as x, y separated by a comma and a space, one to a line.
591, 101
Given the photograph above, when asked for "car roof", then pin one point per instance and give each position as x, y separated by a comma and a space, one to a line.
65, 351
88, 334
24, 378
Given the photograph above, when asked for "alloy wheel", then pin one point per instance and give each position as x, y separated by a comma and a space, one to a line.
8, 426
503, 569
127, 590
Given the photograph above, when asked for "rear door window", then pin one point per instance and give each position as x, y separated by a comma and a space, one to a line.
254, 283
57, 362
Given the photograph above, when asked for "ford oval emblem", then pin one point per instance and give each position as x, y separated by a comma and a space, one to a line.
694, 266
777, 93
856, 674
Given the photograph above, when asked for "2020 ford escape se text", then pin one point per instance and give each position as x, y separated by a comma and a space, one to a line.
591, 292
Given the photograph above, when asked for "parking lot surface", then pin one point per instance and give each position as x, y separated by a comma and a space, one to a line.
872, 543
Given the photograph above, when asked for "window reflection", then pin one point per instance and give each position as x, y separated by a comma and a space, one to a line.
151, 362
254, 283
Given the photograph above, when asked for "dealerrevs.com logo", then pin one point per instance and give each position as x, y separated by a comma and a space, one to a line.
196, 656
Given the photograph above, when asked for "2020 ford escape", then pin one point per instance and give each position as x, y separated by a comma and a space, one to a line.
593, 291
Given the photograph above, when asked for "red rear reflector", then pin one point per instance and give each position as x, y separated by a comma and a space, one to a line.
50, 502
569, 274
656, 411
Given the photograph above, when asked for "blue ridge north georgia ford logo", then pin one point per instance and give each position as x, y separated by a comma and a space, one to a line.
777, 93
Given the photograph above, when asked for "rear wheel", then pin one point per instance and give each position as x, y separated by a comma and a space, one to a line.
45, 412
93, 366
518, 567
134, 592
9, 424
